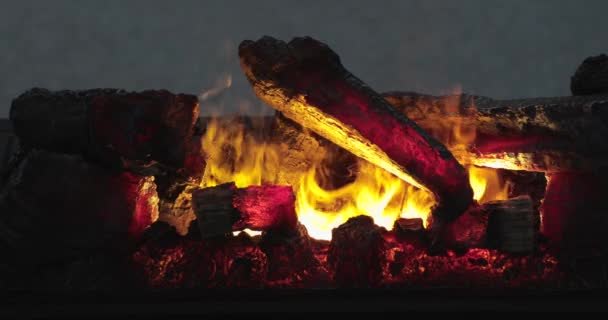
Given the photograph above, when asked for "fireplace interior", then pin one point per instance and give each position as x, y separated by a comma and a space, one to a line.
109, 191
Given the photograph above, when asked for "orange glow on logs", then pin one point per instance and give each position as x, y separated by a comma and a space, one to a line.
233, 155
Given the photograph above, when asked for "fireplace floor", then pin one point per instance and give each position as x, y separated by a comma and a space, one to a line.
191, 303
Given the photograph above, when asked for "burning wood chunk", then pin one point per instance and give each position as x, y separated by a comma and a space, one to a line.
507, 225
356, 255
248, 269
469, 230
57, 205
511, 225
522, 183
540, 134
175, 201
290, 257
226, 208
411, 230
574, 212
591, 77
130, 130
175, 188
305, 81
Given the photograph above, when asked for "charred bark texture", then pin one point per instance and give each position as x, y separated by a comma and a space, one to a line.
56, 206
540, 134
357, 253
305, 80
290, 256
575, 212
591, 77
302, 150
123, 129
226, 208
507, 225
511, 225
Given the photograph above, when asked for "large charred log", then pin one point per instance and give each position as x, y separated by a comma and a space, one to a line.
56, 206
539, 134
118, 128
305, 80
226, 208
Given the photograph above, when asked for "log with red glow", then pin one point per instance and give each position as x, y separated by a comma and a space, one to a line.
507, 225
226, 208
305, 80
540, 134
124, 129
57, 205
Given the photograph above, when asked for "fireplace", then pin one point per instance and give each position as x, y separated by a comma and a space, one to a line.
343, 188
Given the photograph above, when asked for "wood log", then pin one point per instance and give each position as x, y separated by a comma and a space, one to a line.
575, 212
226, 208
506, 225
511, 225
119, 128
591, 77
356, 256
411, 230
57, 205
290, 256
307, 83
540, 134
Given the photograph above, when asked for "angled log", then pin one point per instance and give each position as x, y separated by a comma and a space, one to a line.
540, 134
305, 80
124, 129
226, 208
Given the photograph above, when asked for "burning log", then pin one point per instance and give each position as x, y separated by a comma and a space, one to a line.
305, 80
356, 255
507, 225
290, 256
226, 208
540, 134
131, 130
56, 205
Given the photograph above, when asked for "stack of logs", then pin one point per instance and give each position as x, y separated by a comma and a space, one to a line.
97, 168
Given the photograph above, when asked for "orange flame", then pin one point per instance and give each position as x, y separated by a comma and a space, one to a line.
234, 155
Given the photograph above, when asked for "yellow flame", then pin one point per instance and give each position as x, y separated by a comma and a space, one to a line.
374, 192
234, 155
487, 185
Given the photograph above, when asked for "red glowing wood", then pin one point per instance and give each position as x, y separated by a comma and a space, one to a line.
226, 208
304, 68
